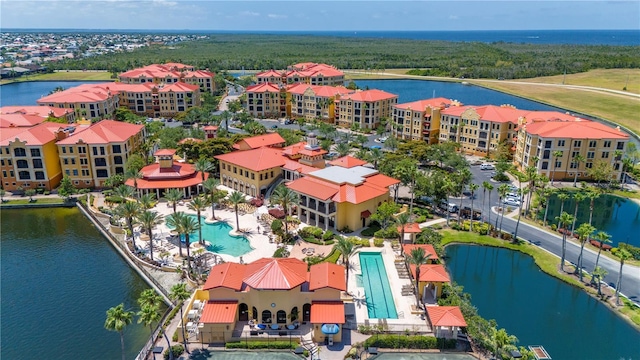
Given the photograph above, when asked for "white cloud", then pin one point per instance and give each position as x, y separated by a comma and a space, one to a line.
276, 16
249, 13
453, 17
164, 3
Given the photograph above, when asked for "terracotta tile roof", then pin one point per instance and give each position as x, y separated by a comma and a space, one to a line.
428, 249
255, 142
42, 111
358, 194
256, 159
431, 272
198, 74
33, 136
347, 162
410, 228
445, 316
20, 120
421, 105
165, 152
263, 87
210, 127
327, 312
227, 275
293, 165
219, 312
269, 73
179, 87
192, 180
583, 129
314, 187
370, 96
382, 180
492, 113
275, 273
104, 132
83, 93
325, 275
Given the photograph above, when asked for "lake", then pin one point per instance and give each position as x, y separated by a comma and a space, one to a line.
27, 93
538, 309
59, 277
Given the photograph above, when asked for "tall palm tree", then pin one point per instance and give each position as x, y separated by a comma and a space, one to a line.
472, 187
402, 220
562, 196
556, 155
123, 191
578, 197
502, 339
149, 297
464, 177
564, 220
602, 238
598, 273
173, 196
117, 319
623, 254
148, 315
149, 219
211, 186
203, 166
179, 294
577, 160
375, 155
346, 249
486, 186
129, 210
237, 198
418, 258
449, 186
198, 204
531, 176
284, 197
343, 149
515, 233
147, 201
584, 231
173, 221
503, 190
547, 193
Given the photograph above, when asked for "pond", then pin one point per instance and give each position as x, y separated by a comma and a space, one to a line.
619, 217
538, 309
27, 93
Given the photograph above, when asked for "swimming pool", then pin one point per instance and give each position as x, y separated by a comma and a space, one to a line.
377, 290
217, 234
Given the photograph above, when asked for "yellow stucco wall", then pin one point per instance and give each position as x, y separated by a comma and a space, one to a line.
348, 214
252, 179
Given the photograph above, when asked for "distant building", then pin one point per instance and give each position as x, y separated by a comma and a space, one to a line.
170, 73
94, 101
419, 120
19, 116
266, 100
313, 102
305, 73
365, 108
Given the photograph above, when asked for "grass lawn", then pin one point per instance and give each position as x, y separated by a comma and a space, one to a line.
65, 76
614, 79
25, 201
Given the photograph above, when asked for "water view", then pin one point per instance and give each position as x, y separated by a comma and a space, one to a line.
59, 277
507, 286
617, 216
27, 93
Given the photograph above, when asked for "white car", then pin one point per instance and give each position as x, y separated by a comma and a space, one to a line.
513, 195
511, 202
487, 167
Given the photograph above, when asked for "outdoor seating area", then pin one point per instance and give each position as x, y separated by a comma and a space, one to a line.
408, 290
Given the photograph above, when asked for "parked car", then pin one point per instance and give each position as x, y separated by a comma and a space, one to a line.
513, 195
466, 213
486, 166
274, 126
511, 202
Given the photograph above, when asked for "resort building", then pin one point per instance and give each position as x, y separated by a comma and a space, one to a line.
365, 108
93, 155
253, 171
266, 100
313, 102
29, 157
480, 129
26, 116
559, 140
446, 321
306, 73
170, 73
210, 131
94, 101
167, 173
419, 120
254, 142
270, 296
340, 197
156, 100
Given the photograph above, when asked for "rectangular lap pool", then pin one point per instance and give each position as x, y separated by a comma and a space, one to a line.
377, 290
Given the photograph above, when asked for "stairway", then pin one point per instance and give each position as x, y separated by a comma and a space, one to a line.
307, 342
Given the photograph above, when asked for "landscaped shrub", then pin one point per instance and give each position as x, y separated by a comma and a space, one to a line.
276, 225
390, 233
378, 242
635, 251
421, 219
256, 202
554, 227
371, 230
281, 253
176, 350
114, 199
333, 256
328, 235
391, 341
262, 345
315, 231
359, 242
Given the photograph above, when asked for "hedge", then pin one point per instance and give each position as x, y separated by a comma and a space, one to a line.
370, 230
391, 341
262, 345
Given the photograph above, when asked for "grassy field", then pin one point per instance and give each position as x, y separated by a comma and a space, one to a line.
64, 76
614, 79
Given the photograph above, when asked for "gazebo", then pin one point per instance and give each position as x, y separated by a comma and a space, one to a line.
412, 229
166, 173
446, 321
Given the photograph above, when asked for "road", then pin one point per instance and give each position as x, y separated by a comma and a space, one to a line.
552, 242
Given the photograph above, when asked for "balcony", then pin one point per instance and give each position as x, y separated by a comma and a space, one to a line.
483, 135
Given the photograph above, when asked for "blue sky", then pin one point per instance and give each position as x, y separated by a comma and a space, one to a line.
320, 15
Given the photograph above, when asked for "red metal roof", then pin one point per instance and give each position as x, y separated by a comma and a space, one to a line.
316, 188
410, 228
327, 312
347, 162
256, 159
444, 316
431, 273
104, 132
165, 152
219, 312
276, 273
255, 142
228, 275
325, 275
428, 250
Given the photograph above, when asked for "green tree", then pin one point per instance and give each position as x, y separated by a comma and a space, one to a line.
147, 201
503, 190
584, 231
547, 193
123, 191
135, 175
486, 186
149, 219
2, 195
179, 294
563, 196
117, 319
602, 238
597, 275
237, 198
149, 315
173, 196
375, 155
402, 220
174, 221
502, 339
556, 155
346, 249
284, 197
473, 188
564, 220
392, 143
198, 204
449, 186
515, 233
343, 149
66, 188
384, 214
134, 164
578, 197
417, 257
623, 255
30, 193
462, 178
129, 210
149, 297
203, 166
577, 160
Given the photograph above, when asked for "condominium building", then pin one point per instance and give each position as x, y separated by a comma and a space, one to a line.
307, 73
94, 101
93, 155
266, 100
313, 102
29, 158
480, 129
557, 139
170, 73
365, 108
419, 120
26, 116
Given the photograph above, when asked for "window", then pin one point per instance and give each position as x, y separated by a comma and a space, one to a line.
101, 150
95, 150
560, 142
19, 152
577, 143
620, 145
39, 175
64, 149
83, 161
547, 144
70, 149
588, 165
605, 154
116, 149
4, 173
545, 165
253, 176
591, 154
37, 163
35, 152
573, 165
558, 164
117, 159
73, 161
607, 143
82, 150
100, 162
24, 175
65, 161
574, 154
22, 164
102, 173
75, 172
2, 162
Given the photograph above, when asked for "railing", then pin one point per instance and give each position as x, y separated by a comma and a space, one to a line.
148, 346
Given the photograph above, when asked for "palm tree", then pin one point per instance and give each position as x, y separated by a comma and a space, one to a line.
602, 238
117, 319
598, 273
562, 196
472, 187
237, 198
547, 194
531, 176
564, 220
173, 196
148, 315
129, 210
284, 197
556, 155
375, 155
449, 186
583, 231
123, 191
503, 190
149, 297
135, 175
515, 233
486, 186
623, 254
211, 186
464, 177
2, 194
577, 160
578, 197
149, 219
203, 166
147, 201
418, 258
346, 250
198, 204
173, 221
402, 220
343, 149
179, 294
502, 339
